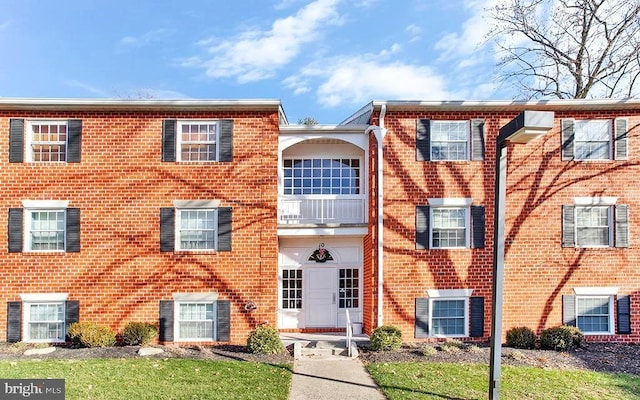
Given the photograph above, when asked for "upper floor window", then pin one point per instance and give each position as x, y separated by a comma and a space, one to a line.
449, 140
195, 225
45, 140
596, 139
197, 140
595, 222
48, 141
44, 226
321, 176
450, 223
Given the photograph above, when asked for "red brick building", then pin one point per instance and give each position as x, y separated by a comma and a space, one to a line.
210, 217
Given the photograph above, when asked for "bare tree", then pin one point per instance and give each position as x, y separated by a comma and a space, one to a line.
308, 121
568, 48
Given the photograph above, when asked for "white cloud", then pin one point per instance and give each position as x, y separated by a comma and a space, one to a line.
146, 38
298, 84
255, 55
354, 80
414, 31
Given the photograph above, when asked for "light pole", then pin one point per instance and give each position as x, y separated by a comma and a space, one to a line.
527, 126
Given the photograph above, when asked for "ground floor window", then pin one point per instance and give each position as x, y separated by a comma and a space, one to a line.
45, 322
195, 321
348, 288
448, 317
594, 314
292, 288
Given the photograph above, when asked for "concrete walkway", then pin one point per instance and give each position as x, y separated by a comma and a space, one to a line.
332, 378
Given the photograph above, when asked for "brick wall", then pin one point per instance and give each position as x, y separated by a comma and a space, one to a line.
538, 270
120, 275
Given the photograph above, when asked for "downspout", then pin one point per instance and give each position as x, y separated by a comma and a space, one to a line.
380, 132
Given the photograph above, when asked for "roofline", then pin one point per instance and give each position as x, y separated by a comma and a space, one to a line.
500, 105
86, 104
323, 128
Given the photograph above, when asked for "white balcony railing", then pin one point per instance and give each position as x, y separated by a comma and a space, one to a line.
322, 209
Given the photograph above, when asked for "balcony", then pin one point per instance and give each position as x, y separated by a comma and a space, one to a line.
321, 209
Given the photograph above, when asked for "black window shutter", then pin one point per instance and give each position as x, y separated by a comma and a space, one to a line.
477, 139
73, 230
422, 227
568, 134
569, 310
622, 225
16, 140
15, 230
223, 320
165, 325
224, 228
71, 312
14, 321
74, 148
423, 148
477, 227
621, 145
169, 140
167, 229
422, 317
226, 140
476, 305
568, 226
624, 314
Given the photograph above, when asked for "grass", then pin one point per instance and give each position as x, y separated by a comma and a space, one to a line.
158, 378
470, 381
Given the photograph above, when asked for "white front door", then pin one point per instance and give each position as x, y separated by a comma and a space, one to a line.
321, 293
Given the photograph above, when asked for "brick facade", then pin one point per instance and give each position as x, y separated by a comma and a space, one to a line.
120, 185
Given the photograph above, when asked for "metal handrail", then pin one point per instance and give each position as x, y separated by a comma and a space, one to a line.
349, 332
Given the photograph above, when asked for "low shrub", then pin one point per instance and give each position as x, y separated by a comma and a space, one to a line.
90, 334
452, 346
386, 337
521, 337
139, 333
264, 340
561, 338
429, 351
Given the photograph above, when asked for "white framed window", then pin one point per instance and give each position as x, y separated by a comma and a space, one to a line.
449, 312
449, 140
592, 140
349, 288
43, 317
45, 226
196, 229
323, 176
195, 316
593, 226
291, 288
46, 140
449, 227
594, 314
198, 140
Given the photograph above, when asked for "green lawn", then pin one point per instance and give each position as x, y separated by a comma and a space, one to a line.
158, 378
470, 381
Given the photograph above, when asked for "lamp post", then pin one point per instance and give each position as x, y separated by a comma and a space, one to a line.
526, 127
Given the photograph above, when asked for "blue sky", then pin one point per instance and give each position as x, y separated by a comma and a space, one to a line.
322, 58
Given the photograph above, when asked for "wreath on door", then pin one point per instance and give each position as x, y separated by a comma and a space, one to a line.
321, 254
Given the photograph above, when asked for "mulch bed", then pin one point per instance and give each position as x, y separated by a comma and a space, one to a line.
602, 357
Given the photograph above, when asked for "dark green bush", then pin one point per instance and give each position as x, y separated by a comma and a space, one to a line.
90, 334
521, 337
139, 333
386, 337
561, 338
264, 340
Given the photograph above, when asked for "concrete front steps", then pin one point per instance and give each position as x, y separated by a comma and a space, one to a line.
322, 346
